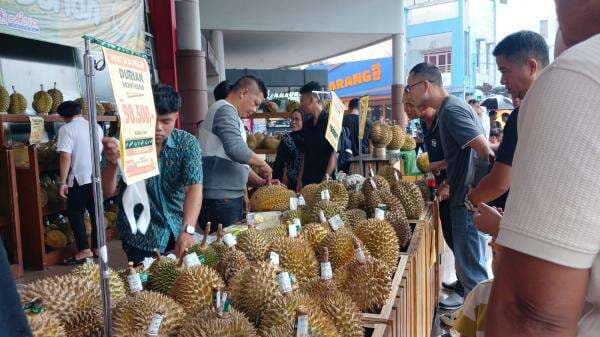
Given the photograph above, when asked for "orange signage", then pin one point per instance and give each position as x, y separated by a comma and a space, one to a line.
370, 75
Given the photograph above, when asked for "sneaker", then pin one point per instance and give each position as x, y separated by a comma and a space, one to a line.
451, 302
454, 286
450, 319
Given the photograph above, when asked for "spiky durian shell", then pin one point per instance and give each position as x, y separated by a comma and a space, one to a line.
380, 239
423, 162
209, 324
398, 137
344, 313
356, 199
314, 233
18, 103
57, 98
4, 99
311, 195
275, 233
87, 323
91, 272
42, 102
211, 257
337, 191
355, 216
389, 173
401, 226
340, 246
271, 198
162, 274
296, 257
231, 263
254, 244
367, 284
411, 198
381, 184
329, 208
45, 324
289, 216
135, 314
255, 288
380, 134
193, 289
409, 144
390, 201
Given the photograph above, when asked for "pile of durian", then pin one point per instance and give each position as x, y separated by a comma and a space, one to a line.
332, 258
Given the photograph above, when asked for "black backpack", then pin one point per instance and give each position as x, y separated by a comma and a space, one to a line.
344, 151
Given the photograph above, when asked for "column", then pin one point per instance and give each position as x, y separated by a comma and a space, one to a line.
191, 65
398, 60
216, 40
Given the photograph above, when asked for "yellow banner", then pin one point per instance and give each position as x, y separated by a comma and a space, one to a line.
130, 79
37, 130
334, 123
364, 110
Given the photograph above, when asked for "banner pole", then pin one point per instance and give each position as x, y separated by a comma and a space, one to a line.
89, 68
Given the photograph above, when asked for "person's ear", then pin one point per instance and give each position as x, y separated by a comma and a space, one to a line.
533, 65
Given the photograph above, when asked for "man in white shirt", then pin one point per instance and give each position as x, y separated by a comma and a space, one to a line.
483, 115
548, 283
76, 176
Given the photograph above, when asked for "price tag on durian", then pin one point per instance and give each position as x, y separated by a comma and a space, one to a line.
191, 260
292, 231
396, 175
360, 255
298, 224
326, 271
147, 262
217, 299
274, 258
285, 283
322, 217
172, 257
301, 201
135, 283
155, 324
325, 195
293, 204
229, 240
250, 217
336, 222
302, 326
379, 214
371, 173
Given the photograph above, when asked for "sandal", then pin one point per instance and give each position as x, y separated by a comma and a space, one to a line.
72, 261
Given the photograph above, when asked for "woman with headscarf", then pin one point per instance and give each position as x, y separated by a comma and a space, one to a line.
288, 161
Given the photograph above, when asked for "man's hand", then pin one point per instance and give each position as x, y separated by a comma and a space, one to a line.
246, 203
63, 190
265, 171
487, 219
111, 150
184, 242
444, 192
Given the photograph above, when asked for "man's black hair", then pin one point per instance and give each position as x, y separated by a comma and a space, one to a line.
353, 104
429, 72
495, 132
69, 109
520, 46
473, 101
247, 80
166, 99
222, 90
506, 114
310, 87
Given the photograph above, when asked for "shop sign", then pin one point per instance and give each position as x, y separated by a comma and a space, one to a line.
372, 74
334, 123
66, 21
130, 79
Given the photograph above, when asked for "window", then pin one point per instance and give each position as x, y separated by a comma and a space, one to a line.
441, 59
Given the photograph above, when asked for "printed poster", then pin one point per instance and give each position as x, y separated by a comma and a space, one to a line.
37, 130
130, 78
364, 110
334, 123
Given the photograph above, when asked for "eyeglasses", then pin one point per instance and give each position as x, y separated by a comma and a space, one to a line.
407, 88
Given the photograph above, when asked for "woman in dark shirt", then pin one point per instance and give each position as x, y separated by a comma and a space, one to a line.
288, 161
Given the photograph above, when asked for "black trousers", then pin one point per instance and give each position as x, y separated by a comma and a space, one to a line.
12, 317
79, 199
221, 211
137, 255
446, 223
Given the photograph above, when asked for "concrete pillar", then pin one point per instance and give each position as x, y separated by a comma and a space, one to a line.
216, 40
398, 60
191, 65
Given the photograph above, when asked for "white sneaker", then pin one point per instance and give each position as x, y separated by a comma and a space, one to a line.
450, 319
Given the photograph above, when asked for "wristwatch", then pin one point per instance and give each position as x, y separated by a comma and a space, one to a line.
189, 229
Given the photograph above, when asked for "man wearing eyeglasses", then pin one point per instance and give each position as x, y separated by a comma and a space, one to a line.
467, 153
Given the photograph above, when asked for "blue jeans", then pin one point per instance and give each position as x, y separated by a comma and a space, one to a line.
221, 211
469, 249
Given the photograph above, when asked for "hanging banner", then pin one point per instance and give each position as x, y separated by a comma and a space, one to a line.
37, 130
334, 123
66, 21
130, 79
364, 110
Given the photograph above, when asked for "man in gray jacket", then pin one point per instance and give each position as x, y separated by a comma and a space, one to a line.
226, 156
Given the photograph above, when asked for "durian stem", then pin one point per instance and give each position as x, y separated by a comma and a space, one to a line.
205, 236
325, 255
54, 85
157, 253
14, 90
42, 87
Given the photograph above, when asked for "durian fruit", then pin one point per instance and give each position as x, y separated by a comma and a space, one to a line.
260, 137
275, 233
423, 162
271, 198
381, 184
231, 262
289, 216
271, 107
253, 243
109, 108
366, 280
389, 172
398, 137
218, 245
283, 311
42, 102
337, 191
380, 134
356, 199
291, 106
271, 143
91, 272
57, 98
84, 323
55, 238
135, 314
411, 198
390, 201
84, 107
209, 323
355, 216
380, 239
193, 289
45, 324
255, 288
314, 233
409, 144
4, 100
18, 103
211, 257
311, 195
340, 246
252, 143
329, 208
296, 257
401, 226
162, 274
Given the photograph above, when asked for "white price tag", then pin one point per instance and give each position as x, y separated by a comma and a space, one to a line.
274, 258
326, 271
396, 175
148, 261
191, 260
104, 253
371, 172
155, 325
298, 224
302, 326
222, 303
322, 217
292, 231
325, 194
360, 255
217, 299
229, 240
250, 218
379, 214
372, 183
336, 222
293, 204
172, 257
135, 283
301, 201
285, 283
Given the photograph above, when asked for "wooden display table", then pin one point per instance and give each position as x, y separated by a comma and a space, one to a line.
375, 163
